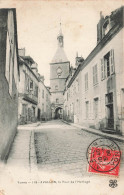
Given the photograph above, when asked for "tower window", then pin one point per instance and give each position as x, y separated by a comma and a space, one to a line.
59, 71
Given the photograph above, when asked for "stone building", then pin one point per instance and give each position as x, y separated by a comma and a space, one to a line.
101, 78
44, 105
59, 71
28, 90
9, 76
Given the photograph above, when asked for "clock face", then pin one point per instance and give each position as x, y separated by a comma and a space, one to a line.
59, 71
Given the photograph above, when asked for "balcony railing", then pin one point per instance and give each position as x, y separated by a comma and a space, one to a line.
31, 98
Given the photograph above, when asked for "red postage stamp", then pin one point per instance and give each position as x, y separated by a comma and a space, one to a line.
104, 157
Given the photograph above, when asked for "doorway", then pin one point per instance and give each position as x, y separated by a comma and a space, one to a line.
110, 111
38, 114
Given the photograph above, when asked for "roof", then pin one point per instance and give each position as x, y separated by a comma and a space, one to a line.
22, 61
28, 58
59, 56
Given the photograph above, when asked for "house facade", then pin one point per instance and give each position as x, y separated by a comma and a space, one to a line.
72, 93
9, 77
101, 78
44, 104
28, 90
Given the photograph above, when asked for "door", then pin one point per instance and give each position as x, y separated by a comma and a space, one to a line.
110, 116
38, 115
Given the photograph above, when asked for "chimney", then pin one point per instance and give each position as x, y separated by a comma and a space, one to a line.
41, 77
78, 60
99, 28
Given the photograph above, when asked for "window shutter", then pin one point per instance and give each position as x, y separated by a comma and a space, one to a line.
96, 74
102, 69
112, 61
105, 69
93, 76
7, 58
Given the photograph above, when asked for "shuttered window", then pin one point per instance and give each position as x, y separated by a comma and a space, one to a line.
107, 65
86, 81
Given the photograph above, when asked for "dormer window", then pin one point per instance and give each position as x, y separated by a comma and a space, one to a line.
106, 26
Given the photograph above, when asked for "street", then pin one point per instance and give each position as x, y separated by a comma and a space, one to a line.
62, 148
55, 151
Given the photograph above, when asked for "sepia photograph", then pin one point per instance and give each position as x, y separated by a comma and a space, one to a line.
61, 97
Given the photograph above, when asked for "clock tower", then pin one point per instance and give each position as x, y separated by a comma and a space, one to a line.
59, 71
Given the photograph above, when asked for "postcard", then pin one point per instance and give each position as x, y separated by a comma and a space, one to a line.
61, 97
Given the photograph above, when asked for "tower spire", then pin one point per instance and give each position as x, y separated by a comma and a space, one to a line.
60, 31
60, 36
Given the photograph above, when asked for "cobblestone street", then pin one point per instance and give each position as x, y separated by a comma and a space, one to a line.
62, 148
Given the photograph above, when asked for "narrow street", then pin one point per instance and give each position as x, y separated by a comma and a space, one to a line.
57, 148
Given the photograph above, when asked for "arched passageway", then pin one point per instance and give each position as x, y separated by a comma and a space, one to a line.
58, 113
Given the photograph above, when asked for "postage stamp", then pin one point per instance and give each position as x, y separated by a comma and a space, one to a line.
103, 157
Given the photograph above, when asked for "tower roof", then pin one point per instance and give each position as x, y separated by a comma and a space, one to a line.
59, 56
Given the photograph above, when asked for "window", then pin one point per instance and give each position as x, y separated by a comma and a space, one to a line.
56, 87
57, 100
95, 75
36, 91
59, 71
106, 26
107, 65
96, 108
24, 108
42, 93
26, 83
42, 108
86, 81
31, 85
33, 111
87, 110
109, 98
46, 97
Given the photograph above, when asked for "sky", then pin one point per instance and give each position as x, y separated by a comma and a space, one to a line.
38, 24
